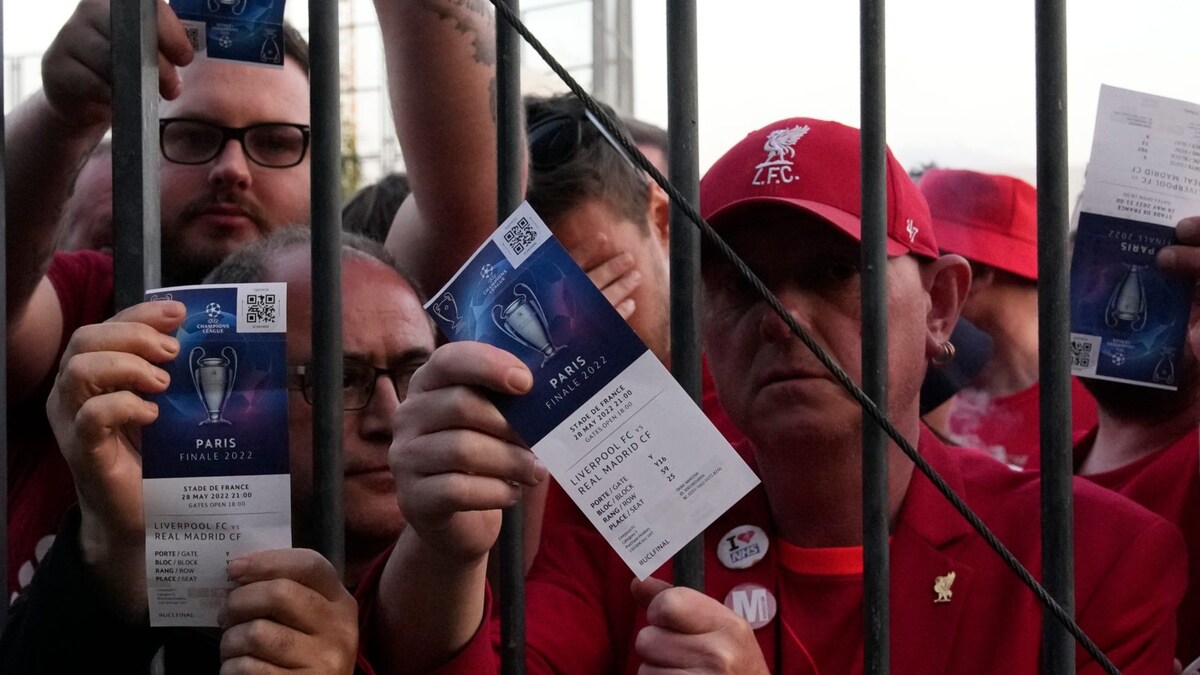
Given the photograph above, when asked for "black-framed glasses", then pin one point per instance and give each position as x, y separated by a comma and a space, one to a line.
277, 145
554, 139
358, 381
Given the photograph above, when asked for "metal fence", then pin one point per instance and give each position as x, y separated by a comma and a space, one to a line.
136, 200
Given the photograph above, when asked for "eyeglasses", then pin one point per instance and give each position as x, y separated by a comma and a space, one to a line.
358, 381
277, 145
554, 139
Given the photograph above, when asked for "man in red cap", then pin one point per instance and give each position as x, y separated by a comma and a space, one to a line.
991, 220
784, 566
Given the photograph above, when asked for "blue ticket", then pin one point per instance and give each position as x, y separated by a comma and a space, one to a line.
215, 470
246, 31
1129, 321
636, 455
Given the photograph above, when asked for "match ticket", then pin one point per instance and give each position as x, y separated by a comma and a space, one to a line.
246, 31
215, 473
607, 419
1129, 320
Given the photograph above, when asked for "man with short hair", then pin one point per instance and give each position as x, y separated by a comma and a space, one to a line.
607, 214
87, 215
88, 601
797, 607
991, 220
234, 168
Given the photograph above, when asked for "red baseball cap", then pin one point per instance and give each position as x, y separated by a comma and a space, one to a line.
985, 218
813, 165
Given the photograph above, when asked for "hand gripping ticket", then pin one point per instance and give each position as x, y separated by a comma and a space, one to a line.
215, 470
604, 415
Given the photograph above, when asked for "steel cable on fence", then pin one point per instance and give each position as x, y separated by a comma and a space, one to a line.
840, 375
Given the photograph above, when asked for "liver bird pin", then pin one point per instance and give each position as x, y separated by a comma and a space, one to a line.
941, 586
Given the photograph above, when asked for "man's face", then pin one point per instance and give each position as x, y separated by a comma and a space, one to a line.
651, 319
87, 215
772, 386
209, 210
385, 326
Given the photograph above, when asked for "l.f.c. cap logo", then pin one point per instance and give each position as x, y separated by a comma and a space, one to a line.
780, 145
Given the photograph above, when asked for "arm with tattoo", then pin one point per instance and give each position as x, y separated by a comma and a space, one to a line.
441, 61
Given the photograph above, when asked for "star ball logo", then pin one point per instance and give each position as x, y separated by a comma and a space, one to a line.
487, 271
213, 311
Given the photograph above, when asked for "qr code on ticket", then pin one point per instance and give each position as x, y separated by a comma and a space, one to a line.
520, 236
195, 34
1084, 352
262, 308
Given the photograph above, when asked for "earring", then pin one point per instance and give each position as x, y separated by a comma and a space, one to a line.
946, 356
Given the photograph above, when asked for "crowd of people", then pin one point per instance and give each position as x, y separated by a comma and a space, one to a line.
429, 460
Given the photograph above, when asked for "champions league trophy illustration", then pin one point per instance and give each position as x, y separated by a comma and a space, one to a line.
238, 6
1164, 370
523, 321
446, 309
1128, 301
270, 48
213, 377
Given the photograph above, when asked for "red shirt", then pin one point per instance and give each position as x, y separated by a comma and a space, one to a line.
1007, 427
582, 618
1166, 482
821, 608
40, 488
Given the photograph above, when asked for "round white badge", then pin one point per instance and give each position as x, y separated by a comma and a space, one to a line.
752, 602
742, 547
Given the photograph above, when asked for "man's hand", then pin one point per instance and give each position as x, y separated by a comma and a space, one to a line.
290, 612
455, 458
96, 413
691, 632
612, 272
77, 68
1183, 260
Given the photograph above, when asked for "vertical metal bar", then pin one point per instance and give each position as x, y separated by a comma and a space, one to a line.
600, 55
1058, 649
134, 25
510, 139
624, 70
874, 332
682, 114
328, 475
3, 363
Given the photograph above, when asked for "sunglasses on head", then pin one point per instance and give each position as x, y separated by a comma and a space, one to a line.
554, 139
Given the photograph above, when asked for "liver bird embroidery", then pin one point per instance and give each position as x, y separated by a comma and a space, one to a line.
779, 144
941, 586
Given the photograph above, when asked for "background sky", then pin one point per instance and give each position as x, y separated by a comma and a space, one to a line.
960, 73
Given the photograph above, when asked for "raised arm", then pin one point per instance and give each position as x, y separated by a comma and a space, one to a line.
48, 137
441, 63
456, 463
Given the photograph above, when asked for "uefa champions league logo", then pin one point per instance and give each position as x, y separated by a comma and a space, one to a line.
213, 312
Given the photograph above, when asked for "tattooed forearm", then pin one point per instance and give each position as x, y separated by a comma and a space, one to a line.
470, 17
